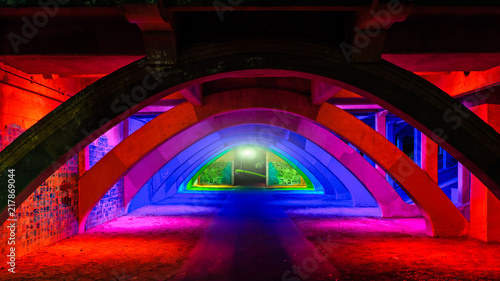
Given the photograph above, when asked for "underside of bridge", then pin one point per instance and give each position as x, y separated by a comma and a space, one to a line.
250, 140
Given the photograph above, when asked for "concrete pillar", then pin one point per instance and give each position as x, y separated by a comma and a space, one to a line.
417, 147
126, 128
390, 136
83, 161
116, 134
380, 127
463, 185
128, 185
484, 206
429, 157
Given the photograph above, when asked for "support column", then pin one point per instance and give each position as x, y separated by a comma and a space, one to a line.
126, 128
417, 147
463, 185
157, 31
380, 127
429, 157
83, 161
128, 185
368, 44
390, 137
484, 206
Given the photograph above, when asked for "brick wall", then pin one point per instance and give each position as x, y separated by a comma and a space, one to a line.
112, 204
50, 213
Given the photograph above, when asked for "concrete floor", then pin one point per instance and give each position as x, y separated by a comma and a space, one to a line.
254, 236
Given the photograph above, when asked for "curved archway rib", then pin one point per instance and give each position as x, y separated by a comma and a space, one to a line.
47, 145
389, 201
444, 220
320, 179
188, 174
278, 139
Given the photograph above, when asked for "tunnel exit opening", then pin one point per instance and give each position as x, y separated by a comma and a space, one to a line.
249, 166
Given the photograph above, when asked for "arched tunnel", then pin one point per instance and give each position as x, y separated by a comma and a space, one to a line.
191, 140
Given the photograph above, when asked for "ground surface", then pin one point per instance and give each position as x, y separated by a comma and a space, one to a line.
398, 249
161, 242
137, 247
252, 238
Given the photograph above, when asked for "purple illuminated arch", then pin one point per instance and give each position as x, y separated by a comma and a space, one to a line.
387, 198
43, 148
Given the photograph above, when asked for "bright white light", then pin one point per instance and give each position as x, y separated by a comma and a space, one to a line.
248, 152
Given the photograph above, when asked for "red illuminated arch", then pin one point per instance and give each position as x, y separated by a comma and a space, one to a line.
60, 135
442, 218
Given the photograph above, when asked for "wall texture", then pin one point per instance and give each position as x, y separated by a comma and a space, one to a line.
281, 173
112, 203
50, 213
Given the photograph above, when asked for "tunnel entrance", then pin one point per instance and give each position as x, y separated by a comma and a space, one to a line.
250, 166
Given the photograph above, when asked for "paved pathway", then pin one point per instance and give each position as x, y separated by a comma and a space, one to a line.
253, 239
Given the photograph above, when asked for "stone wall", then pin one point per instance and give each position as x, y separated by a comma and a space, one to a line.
50, 213
112, 203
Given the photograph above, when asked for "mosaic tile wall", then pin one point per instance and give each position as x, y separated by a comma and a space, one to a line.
50, 213
112, 204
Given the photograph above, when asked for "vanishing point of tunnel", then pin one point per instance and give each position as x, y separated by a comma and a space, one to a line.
248, 140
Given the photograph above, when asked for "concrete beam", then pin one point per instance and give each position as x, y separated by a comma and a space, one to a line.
360, 107
157, 33
484, 206
380, 127
193, 95
429, 157
321, 92
464, 179
442, 218
212, 129
61, 134
370, 29
479, 84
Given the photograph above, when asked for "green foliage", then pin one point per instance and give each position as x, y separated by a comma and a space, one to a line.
281, 173
216, 174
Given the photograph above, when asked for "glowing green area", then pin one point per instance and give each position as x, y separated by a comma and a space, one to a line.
193, 179
309, 184
217, 173
224, 186
281, 173
249, 172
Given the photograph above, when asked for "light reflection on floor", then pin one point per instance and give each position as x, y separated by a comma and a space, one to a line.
153, 242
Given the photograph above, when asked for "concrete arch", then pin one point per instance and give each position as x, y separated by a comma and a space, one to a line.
187, 172
278, 139
360, 196
43, 148
441, 215
210, 151
388, 200
198, 158
291, 157
391, 204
